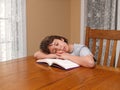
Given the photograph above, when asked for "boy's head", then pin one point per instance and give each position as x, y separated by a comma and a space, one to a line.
49, 40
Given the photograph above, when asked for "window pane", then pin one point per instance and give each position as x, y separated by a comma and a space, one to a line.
11, 29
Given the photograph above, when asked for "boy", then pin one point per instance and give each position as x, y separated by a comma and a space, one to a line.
58, 47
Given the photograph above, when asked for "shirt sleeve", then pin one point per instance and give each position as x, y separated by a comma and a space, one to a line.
85, 51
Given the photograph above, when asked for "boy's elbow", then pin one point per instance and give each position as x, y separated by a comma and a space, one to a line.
91, 63
36, 56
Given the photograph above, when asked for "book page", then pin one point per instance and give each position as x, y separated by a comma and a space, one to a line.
66, 64
48, 61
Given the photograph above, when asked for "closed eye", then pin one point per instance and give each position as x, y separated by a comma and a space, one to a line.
56, 44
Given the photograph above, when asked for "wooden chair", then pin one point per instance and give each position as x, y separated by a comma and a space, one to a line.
101, 35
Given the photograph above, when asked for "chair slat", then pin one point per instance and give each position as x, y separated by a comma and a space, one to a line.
113, 53
94, 46
106, 52
100, 51
118, 63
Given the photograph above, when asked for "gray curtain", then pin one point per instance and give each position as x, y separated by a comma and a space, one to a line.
102, 14
12, 29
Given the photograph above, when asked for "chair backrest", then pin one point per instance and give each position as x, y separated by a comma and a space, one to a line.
100, 45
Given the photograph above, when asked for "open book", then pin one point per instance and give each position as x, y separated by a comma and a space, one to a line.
63, 64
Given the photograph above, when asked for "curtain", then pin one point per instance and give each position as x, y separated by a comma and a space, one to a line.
102, 14
12, 29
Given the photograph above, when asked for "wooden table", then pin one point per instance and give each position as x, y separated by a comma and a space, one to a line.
26, 74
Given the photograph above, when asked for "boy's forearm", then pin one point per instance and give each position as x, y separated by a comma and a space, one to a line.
41, 55
86, 61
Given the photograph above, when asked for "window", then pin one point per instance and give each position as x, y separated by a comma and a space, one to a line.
12, 29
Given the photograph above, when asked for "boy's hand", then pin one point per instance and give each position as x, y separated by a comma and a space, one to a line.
52, 56
63, 55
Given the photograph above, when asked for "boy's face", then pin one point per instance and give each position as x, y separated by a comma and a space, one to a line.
58, 46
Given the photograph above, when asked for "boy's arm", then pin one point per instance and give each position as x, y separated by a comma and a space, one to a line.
86, 61
40, 55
